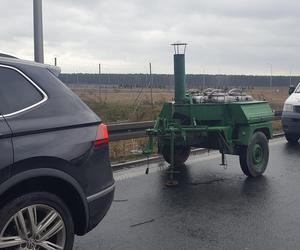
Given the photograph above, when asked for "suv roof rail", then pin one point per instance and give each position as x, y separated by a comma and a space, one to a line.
8, 56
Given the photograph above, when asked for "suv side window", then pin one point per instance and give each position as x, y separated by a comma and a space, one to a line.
16, 92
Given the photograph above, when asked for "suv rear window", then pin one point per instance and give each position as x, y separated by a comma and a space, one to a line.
16, 92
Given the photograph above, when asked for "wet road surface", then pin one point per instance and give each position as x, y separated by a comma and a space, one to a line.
211, 208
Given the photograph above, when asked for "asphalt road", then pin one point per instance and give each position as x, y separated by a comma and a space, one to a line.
211, 208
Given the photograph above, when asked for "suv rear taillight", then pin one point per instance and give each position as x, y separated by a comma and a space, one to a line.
101, 135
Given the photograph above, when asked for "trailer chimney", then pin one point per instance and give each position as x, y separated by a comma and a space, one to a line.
179, 71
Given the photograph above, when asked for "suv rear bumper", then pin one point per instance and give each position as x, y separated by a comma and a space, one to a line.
98, 205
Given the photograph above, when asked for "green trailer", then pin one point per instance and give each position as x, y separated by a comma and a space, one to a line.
231, 122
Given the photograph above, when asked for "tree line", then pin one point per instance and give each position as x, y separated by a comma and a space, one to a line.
167, 80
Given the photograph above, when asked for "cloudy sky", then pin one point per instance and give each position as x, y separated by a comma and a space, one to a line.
224, 36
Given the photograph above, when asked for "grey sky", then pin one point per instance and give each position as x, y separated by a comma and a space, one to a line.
224, 36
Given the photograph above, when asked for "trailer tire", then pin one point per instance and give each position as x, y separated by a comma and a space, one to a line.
292, 139
181, 152
254, 157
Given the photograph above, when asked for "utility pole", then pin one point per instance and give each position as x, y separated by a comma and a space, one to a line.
99, 81
271, 74
203, 83
290, 76
151, 87
99, 72
38, 31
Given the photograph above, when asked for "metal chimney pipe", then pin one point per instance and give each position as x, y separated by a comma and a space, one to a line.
179, 72
38, 31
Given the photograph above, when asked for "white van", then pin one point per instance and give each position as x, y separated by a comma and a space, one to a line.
291, 115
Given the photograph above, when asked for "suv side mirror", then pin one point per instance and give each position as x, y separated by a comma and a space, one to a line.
291, 90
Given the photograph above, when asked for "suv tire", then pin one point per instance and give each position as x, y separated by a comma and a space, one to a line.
43, 216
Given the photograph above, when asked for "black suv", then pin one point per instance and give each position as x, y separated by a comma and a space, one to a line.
55, 175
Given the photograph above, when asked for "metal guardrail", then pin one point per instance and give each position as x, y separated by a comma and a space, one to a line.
132, 130
277, 115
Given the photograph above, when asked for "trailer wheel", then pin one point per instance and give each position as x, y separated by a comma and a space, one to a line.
254, 157
292, 139
181, 153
